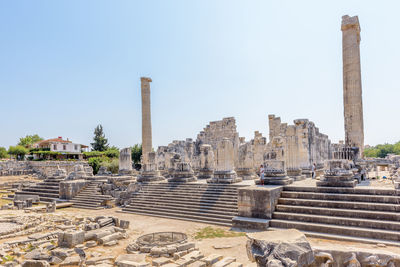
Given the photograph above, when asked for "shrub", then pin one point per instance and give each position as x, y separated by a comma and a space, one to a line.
112, 165
3, 153
18, 151
95, 163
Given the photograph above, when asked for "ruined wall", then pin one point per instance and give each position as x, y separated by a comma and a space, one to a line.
39, 168
299, 145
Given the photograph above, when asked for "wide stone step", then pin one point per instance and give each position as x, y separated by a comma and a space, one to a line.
55, 187
190, 192
344, 238
190, 188
339, 204
88, 201
102, 197
342, 197
86, 206
344, 190
199, 208
38, 193
337, 229
180, 216
339, 212
179, 196
180, 202
178, 199
40, 190
211, 213
357, 222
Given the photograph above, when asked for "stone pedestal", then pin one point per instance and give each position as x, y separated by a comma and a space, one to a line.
205, 174
225, 177
275, 173
338, 173
306, 172
255, 206
224, 171
183, 173
149, 172
125, 162
207, 165
295, 174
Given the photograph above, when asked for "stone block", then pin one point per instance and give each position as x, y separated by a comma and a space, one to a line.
212, 259
71, 261
71, 239
124, 224
224, 262
113, 237
160, 261
250, 223
185, 246
35, 263
69, 189
258, 201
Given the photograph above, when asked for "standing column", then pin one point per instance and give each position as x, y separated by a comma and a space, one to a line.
352, 91
146, 118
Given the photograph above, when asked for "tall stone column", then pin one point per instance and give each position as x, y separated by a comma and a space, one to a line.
352, 91
146, 118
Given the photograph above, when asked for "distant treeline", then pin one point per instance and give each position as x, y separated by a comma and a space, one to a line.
380, 151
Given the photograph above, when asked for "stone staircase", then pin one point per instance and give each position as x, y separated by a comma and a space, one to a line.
48, 190
359, 214
207, 203
91, 197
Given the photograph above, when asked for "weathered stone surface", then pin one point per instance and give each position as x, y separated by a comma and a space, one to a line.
71, 261
35, 263
352, 90
258, 202
125, 161
212, 259
113, 237
282, 248
70, 188
71, 239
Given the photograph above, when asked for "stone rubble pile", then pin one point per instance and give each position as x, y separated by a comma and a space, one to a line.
59, 239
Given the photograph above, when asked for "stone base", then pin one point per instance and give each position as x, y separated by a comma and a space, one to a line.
246, 173
337, 181
205, 174
284, 180
397, 185
182, 179
125, 172
216, 180
307, 173
331, 183
298, 177
250, 223
149, 177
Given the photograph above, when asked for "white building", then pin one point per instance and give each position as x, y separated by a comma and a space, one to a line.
65, 148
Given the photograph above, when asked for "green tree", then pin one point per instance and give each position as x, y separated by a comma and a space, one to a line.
100, 141
112, 152
136, 154
29, 140
3, 153
18, 151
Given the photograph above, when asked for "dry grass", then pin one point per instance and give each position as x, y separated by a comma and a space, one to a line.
210, 232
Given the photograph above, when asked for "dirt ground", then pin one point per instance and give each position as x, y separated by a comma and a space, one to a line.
233, 246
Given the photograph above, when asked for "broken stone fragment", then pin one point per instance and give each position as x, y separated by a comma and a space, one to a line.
291, 245
112, 237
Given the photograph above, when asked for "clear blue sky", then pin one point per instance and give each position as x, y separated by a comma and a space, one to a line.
66, 66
